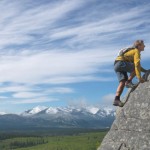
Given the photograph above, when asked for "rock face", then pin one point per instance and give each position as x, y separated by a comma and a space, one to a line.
131, 128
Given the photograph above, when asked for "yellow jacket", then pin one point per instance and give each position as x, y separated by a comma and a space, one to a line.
133, 56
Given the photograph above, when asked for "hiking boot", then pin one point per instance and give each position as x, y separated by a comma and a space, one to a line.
130, 85
118, 103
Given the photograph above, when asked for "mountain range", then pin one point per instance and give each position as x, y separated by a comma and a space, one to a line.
59, 117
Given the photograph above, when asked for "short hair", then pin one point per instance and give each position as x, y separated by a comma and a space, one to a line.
137, 43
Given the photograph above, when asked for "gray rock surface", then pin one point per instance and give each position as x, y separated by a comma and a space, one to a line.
131, 128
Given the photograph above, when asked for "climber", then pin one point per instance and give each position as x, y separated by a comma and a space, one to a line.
128, 61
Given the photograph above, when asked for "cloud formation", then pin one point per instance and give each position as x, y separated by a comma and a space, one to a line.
62, 42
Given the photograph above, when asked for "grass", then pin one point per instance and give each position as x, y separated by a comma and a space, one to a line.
79, 141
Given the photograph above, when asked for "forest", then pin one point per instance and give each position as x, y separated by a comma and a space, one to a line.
52, 139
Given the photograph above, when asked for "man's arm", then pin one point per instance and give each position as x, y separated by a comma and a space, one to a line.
137, 64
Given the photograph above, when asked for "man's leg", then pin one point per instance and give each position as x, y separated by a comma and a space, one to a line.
130, 68
119, 91
129, 83
132, 75
120, 88
121, 69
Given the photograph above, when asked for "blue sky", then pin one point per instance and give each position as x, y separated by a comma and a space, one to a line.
60, 53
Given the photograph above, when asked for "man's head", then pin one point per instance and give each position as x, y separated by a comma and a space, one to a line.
139, 44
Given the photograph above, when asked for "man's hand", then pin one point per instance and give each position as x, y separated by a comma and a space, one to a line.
141, 80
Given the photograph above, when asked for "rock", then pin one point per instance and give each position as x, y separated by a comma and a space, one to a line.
131, 128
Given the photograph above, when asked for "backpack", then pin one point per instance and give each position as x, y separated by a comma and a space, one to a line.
124, 50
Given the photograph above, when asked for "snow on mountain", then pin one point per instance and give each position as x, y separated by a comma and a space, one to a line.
108, 110
3, 113
90, 110
37, 109
65, 109
51, 110
33, 111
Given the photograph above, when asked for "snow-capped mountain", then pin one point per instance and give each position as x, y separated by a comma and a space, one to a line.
3, 113
55, 110
61, 117
33, 111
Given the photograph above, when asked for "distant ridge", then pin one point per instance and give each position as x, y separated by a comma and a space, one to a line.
60, 117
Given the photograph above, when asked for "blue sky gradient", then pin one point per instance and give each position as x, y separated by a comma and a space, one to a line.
60, 53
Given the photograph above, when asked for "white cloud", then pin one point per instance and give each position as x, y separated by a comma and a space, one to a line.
15, 88
22, 24
79, 103
123, 24
27, 95
53, 66
60, 90
3, 97
42, 92
19, 22
76, 79
31, 93
32, 101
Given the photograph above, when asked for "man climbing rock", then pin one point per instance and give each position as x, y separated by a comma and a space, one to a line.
128, 60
